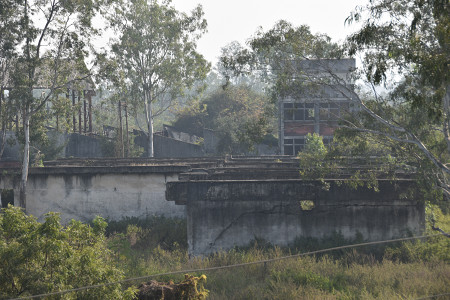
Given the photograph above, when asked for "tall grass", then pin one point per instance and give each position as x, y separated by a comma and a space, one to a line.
403, 271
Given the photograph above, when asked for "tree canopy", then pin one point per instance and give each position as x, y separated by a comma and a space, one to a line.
275, 55
239, 116
156, 50
41, 44
404, 50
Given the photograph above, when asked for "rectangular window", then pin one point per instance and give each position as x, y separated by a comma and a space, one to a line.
324, 111
334, 111
293, 146
330, 111
294, 111
309, 111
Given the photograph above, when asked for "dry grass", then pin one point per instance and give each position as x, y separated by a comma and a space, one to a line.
404, 271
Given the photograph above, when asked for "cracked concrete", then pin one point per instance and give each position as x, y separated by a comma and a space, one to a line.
224, 214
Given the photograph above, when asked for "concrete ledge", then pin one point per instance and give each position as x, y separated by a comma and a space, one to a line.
184, 192
167, 169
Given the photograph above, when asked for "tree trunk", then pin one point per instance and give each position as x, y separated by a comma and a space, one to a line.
149, 119
74, 119
122, 151
26, 159
3, 118
126, 130
85, 114
79, 112
90, 111
446, 103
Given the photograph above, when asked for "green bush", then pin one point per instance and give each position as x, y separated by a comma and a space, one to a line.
151, 232
37, 258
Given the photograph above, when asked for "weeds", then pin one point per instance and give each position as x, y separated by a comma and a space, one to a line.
401, 271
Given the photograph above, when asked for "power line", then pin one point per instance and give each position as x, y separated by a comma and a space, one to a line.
227, 267
433, 296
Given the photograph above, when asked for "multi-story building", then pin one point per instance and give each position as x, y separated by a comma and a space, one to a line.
317, 108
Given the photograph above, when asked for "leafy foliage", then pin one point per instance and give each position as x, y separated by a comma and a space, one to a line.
191, 288
156, 53
416, 269
38, 258
312, 158
405, 48
240, 117
276, 55
44, 46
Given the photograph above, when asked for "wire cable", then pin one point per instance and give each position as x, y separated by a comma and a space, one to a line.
433, 296
228, 266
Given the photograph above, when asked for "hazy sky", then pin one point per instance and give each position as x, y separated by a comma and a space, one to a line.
237, 20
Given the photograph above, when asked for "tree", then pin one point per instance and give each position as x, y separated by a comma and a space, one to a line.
46, 45
404, 45
157, 51
405, 48
37, 258
240, 117
275, 55
10, 19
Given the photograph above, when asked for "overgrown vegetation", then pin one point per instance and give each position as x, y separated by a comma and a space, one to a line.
409, 269
38, 258
43, 257
239, 116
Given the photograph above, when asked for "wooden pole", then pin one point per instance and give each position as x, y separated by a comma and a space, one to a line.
90, 111
85, 114
74, 119
68, 113
120, 130
126, 129
79, 112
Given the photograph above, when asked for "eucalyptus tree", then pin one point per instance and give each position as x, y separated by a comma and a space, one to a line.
405, 46
47, 43
404, 51
156, 49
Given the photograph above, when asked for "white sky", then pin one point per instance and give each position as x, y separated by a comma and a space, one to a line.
238, 20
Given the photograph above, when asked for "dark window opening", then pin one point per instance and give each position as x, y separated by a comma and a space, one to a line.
293, 146
295, 111
7, 197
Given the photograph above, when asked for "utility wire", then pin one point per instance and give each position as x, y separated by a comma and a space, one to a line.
433, 296
230, 266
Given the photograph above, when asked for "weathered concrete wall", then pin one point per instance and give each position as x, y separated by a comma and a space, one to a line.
168, 147
165, 147
82, 193
224, 214
79, 145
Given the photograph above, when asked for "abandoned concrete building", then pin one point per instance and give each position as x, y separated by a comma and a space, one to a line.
229, 201
317, 108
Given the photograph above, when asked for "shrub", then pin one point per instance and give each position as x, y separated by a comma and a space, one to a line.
37, 258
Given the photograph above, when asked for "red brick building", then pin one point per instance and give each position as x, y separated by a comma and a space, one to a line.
319, 107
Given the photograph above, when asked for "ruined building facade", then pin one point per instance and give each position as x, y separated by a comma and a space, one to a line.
323, 99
